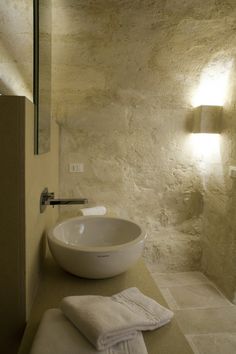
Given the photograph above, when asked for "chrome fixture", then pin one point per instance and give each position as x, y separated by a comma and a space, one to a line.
47, 198
207, 119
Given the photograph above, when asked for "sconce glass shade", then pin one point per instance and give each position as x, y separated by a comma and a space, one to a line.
207, 119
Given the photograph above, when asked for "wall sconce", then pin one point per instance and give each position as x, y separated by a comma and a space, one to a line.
207, 119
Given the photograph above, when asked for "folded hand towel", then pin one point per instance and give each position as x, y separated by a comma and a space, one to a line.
57, 335
105, 321
97, 210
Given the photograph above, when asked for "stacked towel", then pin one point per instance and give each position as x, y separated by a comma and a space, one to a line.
112, 325
106, 321
57, 335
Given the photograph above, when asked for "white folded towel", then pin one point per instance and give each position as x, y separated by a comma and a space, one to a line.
97, 210
106, 321
57, 335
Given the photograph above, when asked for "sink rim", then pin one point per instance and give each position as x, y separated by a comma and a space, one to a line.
95, 249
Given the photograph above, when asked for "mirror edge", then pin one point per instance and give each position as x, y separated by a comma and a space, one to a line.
36, 74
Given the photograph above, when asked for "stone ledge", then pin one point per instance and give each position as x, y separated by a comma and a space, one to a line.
56, 284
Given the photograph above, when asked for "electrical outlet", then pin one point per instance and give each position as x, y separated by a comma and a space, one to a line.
76, 167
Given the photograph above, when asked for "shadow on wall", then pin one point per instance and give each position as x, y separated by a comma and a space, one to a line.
175, 245
232, 244
5, 89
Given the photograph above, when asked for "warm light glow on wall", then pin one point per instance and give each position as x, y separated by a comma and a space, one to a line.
206, 147
212, 91
213, 86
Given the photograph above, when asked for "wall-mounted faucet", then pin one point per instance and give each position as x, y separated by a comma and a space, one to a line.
47, 198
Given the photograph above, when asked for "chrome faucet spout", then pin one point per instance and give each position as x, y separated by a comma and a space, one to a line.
67, 201
47, 198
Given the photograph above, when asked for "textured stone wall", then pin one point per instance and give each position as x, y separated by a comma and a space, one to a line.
16, 48
219, 217
125, 75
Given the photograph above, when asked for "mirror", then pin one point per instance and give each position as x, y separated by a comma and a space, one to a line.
42, 74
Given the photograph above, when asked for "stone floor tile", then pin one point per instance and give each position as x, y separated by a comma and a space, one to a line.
203, 321
179, 279
220, 343
172, 304
198, 296
204, 315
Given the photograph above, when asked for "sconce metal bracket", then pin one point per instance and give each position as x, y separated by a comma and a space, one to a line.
207, 119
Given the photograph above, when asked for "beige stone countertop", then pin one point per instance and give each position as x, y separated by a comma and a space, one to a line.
56, 284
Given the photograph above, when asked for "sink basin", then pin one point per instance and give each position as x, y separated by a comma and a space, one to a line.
96, 246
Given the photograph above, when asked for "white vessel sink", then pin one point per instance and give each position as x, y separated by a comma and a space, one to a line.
96, 246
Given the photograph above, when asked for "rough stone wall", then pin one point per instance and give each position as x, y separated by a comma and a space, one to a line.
16, 48
124, 78
219, 222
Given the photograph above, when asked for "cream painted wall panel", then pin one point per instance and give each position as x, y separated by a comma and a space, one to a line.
12, 223
40, 171
23, 228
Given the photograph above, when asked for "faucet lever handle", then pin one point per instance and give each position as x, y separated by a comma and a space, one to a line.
44, 198
50, 195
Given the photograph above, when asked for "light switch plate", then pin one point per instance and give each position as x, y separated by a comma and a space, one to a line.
76, 167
